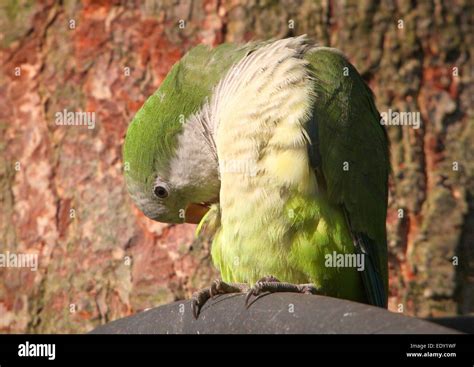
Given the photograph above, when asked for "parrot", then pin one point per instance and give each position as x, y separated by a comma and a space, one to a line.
276, 149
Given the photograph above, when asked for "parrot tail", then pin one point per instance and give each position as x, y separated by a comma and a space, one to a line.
371, 275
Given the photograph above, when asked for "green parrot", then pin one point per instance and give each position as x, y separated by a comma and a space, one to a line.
276, 149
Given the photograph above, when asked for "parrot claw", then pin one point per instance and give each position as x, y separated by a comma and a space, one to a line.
217, 287
196, 308
269, 285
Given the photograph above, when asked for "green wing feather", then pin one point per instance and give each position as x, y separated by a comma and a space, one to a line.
346, 127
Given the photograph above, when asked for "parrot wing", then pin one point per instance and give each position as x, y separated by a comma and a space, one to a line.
350, 155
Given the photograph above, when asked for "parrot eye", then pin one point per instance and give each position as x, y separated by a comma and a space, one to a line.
160, 192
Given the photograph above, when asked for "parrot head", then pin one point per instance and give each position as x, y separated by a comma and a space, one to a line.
170, 159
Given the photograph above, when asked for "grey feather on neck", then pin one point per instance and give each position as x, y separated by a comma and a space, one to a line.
195, 167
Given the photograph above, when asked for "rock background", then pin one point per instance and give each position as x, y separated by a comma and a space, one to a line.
62, 194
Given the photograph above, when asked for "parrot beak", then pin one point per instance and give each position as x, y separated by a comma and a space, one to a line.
195, 212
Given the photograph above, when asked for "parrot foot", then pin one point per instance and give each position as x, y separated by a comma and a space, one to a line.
271, 284
217, 287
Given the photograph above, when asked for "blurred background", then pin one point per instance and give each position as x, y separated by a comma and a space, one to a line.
62, 194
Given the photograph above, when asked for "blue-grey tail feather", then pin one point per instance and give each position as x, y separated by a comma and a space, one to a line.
372, 279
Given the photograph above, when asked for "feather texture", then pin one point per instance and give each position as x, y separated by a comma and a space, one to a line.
288, 117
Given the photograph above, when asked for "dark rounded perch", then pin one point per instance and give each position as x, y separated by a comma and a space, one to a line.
276, 313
